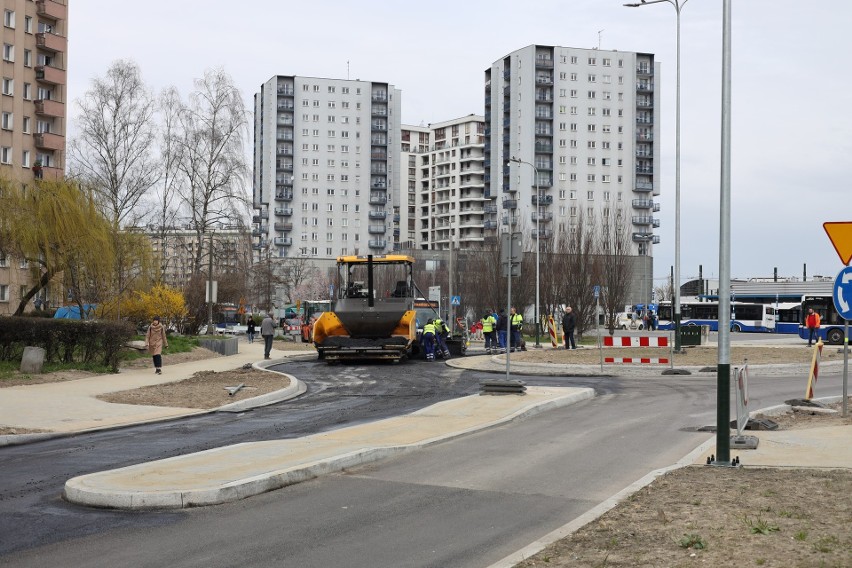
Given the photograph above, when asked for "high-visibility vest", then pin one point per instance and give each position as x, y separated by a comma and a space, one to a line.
488, 324
439, 325
429, 328
517, 320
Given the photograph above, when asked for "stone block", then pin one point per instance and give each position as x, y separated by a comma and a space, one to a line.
33, 360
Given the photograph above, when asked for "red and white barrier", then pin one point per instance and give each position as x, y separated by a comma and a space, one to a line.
814, 372
646, 360
640, 341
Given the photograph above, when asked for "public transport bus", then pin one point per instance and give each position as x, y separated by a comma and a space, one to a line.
788, 317
744, 316
831, 324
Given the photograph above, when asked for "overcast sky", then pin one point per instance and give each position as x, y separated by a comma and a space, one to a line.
792, 117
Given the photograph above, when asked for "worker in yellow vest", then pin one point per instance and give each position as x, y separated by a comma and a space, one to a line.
489, 325
428, 340
516, 322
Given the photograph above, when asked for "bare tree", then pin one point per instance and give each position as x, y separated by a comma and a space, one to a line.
295, 276
114, 150
213, 128
167, 211
616, 266
578, 244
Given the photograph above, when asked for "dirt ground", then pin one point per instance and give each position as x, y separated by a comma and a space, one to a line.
719, 516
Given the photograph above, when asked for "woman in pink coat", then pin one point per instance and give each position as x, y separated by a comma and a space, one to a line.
155, 341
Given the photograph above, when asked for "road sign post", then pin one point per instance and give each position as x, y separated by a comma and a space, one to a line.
840, 234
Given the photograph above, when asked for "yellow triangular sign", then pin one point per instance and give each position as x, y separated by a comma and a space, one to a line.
841, 237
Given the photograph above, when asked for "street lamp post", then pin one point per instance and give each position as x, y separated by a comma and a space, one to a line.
678, 5
537, 245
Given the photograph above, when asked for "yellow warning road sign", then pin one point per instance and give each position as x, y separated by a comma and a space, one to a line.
840, 234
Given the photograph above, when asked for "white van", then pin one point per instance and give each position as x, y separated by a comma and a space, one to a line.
628, 320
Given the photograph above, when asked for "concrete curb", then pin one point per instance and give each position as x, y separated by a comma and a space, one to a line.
84, 490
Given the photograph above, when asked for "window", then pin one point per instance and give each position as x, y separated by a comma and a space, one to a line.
591, 144
344, 90
574, 93
592, 78
592, 128
606, 112
606, 161
590, 195
592, 61
573, 177
605, 145
26, 125
28, 58
574, 59
9, 18
592, 94
605, 179
28, 91
590, 161
4, 293
8, 52
606, 61
28, 24
25, 159
605, 128
331, 90
592, 111
6, 121
573, 76
306, 103
8, 86
4, 262
607, 79
590, 178
562, 193
572, 194
5, 155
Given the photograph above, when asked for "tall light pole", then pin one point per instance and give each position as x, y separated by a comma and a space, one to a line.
678, 5
537, 243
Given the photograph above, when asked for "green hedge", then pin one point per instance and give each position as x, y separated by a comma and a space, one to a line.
65, 341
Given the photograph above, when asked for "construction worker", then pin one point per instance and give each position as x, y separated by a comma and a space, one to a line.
516, 322
441, 332
428, 340
812, 322
502, 329
489, 323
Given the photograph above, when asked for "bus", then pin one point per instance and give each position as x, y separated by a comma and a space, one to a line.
744, 316
788, 317
831, 324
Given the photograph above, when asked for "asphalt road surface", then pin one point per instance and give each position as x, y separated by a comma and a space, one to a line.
467, 502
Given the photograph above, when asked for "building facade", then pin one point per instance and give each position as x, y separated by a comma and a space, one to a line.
326, 157
582, 126
444, 204
32, 116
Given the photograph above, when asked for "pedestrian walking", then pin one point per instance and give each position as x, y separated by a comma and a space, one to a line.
569, 323
155, 342
250, 330
267, 330
812, 322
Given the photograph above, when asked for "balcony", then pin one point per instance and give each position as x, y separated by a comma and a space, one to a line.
490, 209
50, 75
545, 216
378, 214
507, 219
284, 166
642, 203
378, 198
645, 87
258, 231
280, 226
283, 241
646, 238
377, 229
378, 127
377, 243
51, 42
379, 111
647, 170
47, 107
542, 199
380, 97
491, 224
51, 9
642, 220
542, 234
49, 141
284, 196
510, 204
643, 70
284, 211
257, 218
544, 62
644, 186
286, 91
286, 106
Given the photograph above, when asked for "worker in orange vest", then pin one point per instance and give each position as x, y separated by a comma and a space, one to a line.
812, 322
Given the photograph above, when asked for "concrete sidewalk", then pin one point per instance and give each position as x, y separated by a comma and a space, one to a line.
72, 406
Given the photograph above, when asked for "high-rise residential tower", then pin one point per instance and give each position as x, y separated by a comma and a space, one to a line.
445, 206
326, 157
586, 121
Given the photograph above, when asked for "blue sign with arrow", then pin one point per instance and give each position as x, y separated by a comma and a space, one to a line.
843, 293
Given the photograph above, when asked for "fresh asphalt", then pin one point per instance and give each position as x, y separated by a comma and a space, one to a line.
485, 363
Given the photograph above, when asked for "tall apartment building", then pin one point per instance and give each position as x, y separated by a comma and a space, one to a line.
445, 205
587, 120
326, 159
32, 112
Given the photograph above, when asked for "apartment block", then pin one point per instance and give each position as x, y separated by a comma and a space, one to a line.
444, 205
326, 163
572, 132
32, 114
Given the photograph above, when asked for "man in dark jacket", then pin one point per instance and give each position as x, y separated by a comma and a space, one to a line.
569, 322
267, 330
